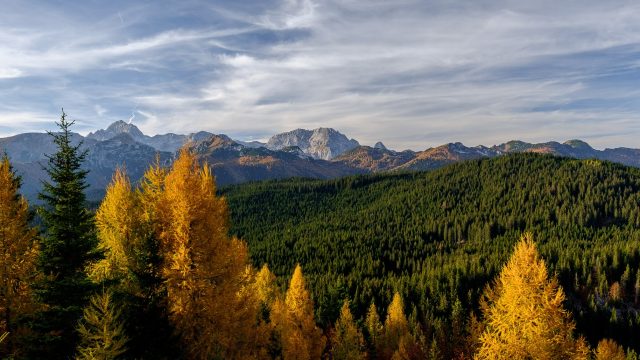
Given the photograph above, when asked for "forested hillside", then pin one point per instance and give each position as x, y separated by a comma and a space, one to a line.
439, 237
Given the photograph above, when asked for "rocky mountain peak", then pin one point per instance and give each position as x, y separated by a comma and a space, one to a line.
321, 143
118, 127
578, 144
379, 145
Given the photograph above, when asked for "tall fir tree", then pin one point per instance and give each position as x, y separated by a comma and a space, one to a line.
67, 247
18, 255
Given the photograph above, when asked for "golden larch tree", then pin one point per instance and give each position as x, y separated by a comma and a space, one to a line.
609, 350
348, 343
396, 328
18, 255
301, 338
205, 271
265, 287
374, 326
117, 222
523, 312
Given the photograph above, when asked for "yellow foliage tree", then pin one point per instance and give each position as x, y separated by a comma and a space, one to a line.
265, 286
102, 334
18, 255
348, 343
293, 319
396, 330
117, 222
374, 326
205, 271
524, 314
609, 350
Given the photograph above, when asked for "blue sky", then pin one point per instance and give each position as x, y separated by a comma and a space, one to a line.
413, 74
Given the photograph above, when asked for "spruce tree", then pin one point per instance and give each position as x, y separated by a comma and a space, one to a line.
67, 247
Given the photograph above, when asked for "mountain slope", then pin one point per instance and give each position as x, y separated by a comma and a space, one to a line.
374, 159
235, 163
438, 237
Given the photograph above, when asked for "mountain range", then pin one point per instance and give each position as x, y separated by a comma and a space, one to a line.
322, 153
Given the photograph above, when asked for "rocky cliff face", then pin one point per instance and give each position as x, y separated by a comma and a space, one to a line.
321, 143
115, 129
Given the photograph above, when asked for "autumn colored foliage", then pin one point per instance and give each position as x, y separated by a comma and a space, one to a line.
168, 281
524, 313
18, 255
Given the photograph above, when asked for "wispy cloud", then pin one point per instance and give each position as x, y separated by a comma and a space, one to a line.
410, 73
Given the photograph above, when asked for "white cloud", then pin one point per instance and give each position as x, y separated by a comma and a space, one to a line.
10, 73
410, 73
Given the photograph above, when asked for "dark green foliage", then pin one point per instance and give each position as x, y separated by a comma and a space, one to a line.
441, 236
67, 246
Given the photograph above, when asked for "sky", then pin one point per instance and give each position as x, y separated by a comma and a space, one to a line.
413, 74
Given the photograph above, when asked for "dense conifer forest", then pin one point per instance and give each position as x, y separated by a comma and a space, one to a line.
519, 257
439, 237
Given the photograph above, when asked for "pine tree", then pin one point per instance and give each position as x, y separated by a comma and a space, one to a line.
18, 255
609, 350
348, 342
523, 312
293, 318
102, 334
204, 270
67, 247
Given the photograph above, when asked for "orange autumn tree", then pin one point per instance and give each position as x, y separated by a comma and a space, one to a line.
396, 335
293, 319
18, 254
609, 350
524, 314
206, 272
348, 342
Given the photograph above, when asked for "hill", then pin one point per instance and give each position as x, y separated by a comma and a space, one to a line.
438, 237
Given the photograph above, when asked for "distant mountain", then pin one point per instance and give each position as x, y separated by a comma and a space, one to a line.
235, 163
446, 154
374, 159
322, 153
321, 143
115, 129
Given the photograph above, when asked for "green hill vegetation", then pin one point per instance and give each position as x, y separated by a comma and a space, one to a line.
439, 237
401, 266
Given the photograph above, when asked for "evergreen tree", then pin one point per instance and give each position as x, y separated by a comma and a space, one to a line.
348, 343
68, 246
18, 255
293, 318
102, 333
524, 315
